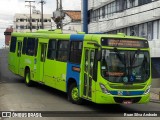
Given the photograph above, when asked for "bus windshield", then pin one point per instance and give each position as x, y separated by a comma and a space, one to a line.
120, 66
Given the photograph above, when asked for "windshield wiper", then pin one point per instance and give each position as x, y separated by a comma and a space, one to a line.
130, 67
123, 61
133, 59
119, 56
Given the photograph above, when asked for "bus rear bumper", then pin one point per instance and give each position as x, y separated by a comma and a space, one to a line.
102, 98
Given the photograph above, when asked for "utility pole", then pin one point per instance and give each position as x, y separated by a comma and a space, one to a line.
42, 3
60, 8
57, 5
30, 21
59, 15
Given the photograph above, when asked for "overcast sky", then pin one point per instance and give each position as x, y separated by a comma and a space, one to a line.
9, 7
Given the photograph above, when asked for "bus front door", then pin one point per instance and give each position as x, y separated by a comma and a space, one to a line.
43, 48
90, 72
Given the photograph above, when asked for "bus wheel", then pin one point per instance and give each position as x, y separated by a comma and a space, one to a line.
28, 82
73, 94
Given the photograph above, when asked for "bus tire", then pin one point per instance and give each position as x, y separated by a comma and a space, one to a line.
28, 81
73, 94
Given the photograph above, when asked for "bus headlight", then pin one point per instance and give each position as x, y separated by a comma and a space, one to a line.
103, 88
148, 89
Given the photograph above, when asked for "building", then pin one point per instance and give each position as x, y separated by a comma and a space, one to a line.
132, 17
22, 22
7, 34
72, 20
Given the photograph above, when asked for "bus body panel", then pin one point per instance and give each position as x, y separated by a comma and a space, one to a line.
73, 70
15, 58
29, 62
73, 74
40, 61
49, 73
11, 61
55, 71
60, 75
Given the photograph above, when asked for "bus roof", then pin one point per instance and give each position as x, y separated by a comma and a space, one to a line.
58, 33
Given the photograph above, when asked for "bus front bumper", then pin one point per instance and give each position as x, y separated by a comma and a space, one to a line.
103, 98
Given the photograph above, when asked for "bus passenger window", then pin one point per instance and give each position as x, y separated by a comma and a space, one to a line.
32, 44
13, 44
62, 51
75, 52
51, 49
24, 45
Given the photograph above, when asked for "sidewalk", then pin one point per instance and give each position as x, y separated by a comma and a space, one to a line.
155, 95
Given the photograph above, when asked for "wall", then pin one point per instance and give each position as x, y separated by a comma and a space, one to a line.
126, 18
47, 25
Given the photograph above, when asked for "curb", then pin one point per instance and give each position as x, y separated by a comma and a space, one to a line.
154, 101
155, 93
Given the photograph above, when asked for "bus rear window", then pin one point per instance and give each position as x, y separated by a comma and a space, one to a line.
13, 44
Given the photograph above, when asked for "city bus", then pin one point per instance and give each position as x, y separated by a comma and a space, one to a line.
101, 68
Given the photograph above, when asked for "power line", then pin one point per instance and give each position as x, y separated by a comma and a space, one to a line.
30, 5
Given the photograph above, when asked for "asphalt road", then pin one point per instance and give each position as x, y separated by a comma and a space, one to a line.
16, 96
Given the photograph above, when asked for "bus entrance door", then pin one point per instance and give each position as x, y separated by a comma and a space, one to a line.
89, 73
43, 48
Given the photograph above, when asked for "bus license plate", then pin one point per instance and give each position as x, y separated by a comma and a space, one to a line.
127, 102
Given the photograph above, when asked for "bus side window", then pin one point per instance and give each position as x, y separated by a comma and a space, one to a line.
75, 52
13, 44
24, 45
31, 48
62, 50
51, 49
35, 47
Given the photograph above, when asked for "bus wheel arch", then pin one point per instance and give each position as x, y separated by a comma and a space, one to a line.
28, 81
72, 90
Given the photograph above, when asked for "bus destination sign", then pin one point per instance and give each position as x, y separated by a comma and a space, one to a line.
124, 43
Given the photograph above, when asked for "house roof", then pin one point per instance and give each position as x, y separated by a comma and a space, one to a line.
9, 29
74, 15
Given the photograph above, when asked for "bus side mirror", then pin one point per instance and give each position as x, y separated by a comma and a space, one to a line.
99, 55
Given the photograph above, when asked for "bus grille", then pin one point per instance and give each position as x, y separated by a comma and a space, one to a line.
127, 86
120, 99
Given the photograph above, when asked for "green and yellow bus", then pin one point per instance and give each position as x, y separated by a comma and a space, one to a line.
102, 68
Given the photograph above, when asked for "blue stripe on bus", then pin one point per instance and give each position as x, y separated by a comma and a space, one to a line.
73, 74
70, 72
126, 93
79, 37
